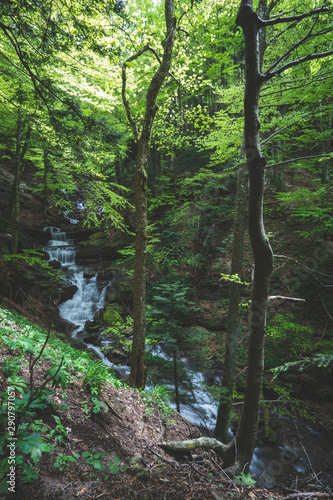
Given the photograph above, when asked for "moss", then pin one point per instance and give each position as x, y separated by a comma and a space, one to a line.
112, 315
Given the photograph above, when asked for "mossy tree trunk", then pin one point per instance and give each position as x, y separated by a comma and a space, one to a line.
137, 376
22, 142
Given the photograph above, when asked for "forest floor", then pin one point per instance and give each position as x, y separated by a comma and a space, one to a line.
115, 453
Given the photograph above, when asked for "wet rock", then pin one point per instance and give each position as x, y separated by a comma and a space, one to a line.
55, 264
68, 293
91, 326
94, 339
112, 315
89, 272
117, 354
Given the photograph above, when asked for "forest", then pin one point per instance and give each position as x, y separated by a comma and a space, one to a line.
166, 253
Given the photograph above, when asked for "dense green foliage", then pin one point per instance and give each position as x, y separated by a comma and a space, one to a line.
64, 129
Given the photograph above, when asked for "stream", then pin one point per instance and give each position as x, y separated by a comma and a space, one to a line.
300, 452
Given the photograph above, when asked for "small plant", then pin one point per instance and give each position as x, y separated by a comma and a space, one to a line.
114, 465
63, 461
11, 366
245, 479
95, 376
84, 407
59, 434
94, 460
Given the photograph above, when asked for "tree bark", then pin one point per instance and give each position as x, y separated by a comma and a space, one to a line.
137, 376
224, 411
237, 455
20, 152
248, 20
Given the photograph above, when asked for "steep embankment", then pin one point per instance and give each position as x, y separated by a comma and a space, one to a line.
84, 435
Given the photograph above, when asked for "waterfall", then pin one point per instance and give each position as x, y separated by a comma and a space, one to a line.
61, 247
87, 300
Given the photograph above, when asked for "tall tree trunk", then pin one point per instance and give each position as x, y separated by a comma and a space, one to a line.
224, 411
20, 152
225, 405
247, 19
175, 372
45, 180
138, 367
137, 376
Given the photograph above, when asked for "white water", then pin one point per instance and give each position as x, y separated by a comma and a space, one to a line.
269, 463
88, 299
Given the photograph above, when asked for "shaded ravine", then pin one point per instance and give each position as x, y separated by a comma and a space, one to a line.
272, 464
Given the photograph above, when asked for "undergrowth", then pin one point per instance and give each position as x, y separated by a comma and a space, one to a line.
23, 438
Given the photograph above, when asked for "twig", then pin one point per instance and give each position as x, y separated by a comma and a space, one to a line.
315, 494
162, 458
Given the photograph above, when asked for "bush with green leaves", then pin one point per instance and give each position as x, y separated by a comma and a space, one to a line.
286, 340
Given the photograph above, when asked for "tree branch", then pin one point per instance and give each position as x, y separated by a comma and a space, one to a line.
310, 57
297, 159
191, 444
299, 17
308, 270
123, 90
299, 43
274, 297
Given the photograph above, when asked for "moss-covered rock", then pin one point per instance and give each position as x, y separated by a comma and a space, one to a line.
112, 315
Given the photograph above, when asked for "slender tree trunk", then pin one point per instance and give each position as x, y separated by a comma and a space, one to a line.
327, 146
20, 152
138, 367
224, 411
45, 179
247, 19
176, 380
137, 376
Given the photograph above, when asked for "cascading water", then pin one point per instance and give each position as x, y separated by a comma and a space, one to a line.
88, 299
270, 462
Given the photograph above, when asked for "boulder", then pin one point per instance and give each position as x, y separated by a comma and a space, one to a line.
89, 272
117, 354
94, 339
55, 264
68, 293
111, 315
121, 291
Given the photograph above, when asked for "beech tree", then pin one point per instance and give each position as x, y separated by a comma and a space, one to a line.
238, 453
137, 376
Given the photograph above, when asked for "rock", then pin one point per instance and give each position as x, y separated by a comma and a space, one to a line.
112, 315
117, 354
55, 264
121, 291
89, 272
91, 326
68, 293
94, 339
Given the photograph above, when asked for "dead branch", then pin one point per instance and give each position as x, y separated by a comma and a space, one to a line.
313, 494
273, 297
191, 444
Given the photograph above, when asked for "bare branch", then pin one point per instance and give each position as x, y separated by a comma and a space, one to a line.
301, 118
297, 18
123, 90
300, 86
298, 44
308, 270
297, 159
274, 297
310, 57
